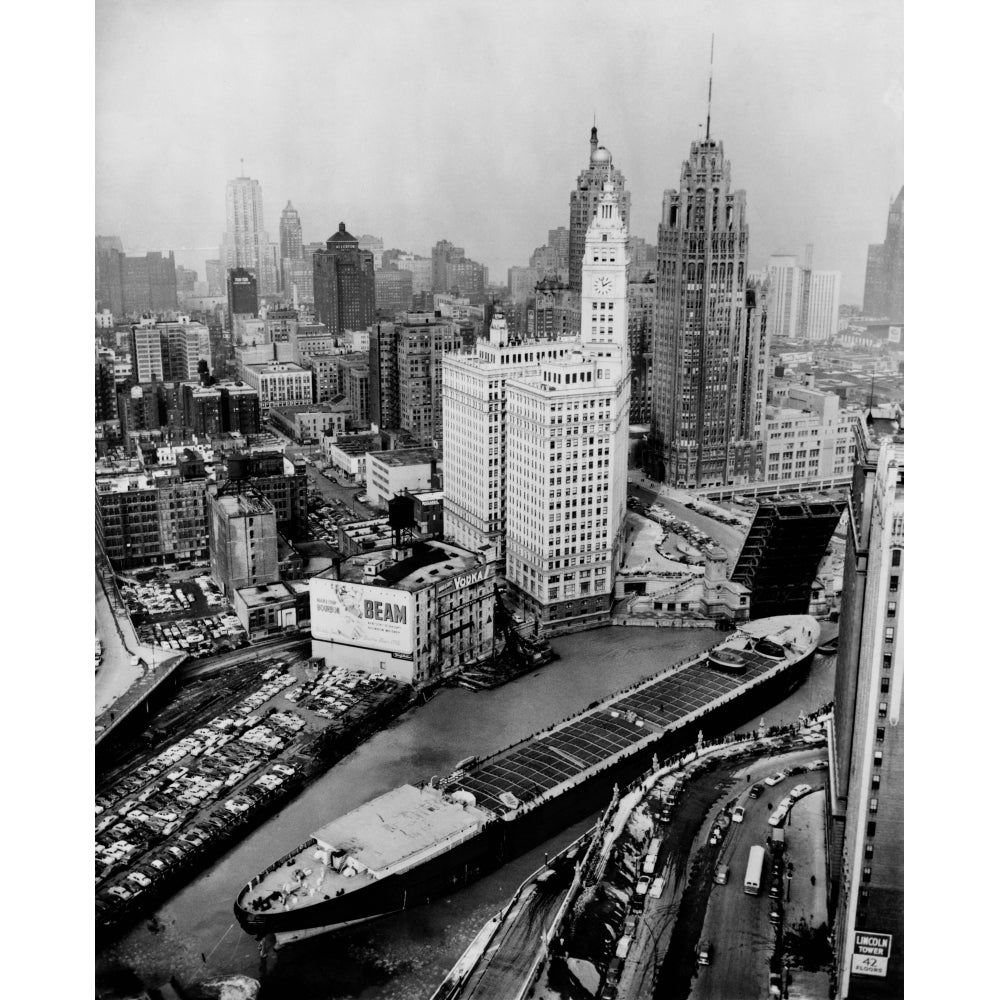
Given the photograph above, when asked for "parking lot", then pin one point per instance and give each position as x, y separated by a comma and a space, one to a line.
190, 616
199, 787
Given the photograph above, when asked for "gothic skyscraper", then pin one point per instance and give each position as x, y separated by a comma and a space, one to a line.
584, 200
884, 273
709, 333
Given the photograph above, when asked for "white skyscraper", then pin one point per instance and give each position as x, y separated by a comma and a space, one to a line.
823, 308
567, 444
783, 299
474, 389
245, 243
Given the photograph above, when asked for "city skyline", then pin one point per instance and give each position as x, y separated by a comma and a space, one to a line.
783, 105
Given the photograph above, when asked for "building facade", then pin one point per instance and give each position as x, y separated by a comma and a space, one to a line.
243, 539
423, 340
344, 283
583, 203
279, 383
567, 449
474, 401
866, 780
884, 271
245, 243
289, 244
415, 613
710, 333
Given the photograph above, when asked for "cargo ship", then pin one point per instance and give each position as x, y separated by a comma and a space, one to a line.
418, 842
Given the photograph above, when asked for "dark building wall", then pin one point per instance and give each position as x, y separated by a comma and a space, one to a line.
241, 293
344, 284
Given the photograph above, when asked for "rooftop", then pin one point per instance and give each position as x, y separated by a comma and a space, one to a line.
408, 456
429, 562
266, 593
241, 504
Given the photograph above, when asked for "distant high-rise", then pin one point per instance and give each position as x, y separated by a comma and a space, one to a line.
131, 286
784, 296
884, 273
290, 234
584, 200
289, 244
443, 253
344, 283
709, 335
241, 291
245, 243
802, 304
559, 241
865, 833
215, 275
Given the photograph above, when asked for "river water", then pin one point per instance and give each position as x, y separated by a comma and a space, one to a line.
404, 957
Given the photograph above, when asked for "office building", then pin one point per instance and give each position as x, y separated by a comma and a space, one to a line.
641, 303
884, 271
423, 341
245, 243
584, 199
215, 277
784, 296
241, 294
309, 422
169, 351
282, 481
709, 343
419, 267
271, 608
289, 245
558, 239
373, 245
865, 832
443, 253
279, 383
567, 448
474, 404
344, 283
388, 473
324, 369
243, 538
393, 291
134, 286
383, 369
414, 613
808, 438
104, 384
151, 518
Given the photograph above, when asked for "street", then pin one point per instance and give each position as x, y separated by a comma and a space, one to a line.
737, 923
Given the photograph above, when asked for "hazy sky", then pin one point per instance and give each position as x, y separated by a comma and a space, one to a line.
470, 121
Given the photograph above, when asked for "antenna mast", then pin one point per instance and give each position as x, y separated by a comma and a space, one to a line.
708, 120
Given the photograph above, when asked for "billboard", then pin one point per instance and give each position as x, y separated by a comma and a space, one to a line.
871, 953
359, 615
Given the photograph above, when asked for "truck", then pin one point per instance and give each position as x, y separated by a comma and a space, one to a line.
755, 865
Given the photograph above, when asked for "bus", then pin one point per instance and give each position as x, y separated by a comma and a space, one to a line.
755, 865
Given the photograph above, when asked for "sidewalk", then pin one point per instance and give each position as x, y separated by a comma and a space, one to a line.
805, 850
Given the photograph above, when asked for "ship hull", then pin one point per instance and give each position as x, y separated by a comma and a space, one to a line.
502, 840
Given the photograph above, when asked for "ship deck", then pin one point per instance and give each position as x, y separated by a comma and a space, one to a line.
546, 760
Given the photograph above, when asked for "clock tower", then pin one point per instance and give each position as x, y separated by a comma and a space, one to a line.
604, 277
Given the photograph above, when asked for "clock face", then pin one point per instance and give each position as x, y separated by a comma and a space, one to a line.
602, 286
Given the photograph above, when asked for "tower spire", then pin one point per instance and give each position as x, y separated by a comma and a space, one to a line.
708, 120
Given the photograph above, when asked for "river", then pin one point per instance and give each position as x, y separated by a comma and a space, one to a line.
405, 956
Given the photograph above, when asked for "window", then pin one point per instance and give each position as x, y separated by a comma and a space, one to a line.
883, 706
893, 584
869, 851
878, 758
891, 610
885, 685
873, 805
871, 828
866, 874
886, 661
890, 633
897, 556
876, 783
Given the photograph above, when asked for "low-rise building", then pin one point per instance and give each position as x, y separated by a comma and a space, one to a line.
271, 608
390, 472
279, 384
310, 422
413, 614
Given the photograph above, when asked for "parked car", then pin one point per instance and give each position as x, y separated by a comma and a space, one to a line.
738, 814
721, 874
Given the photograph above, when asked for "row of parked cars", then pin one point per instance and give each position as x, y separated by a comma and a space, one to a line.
335, 690
142, 827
